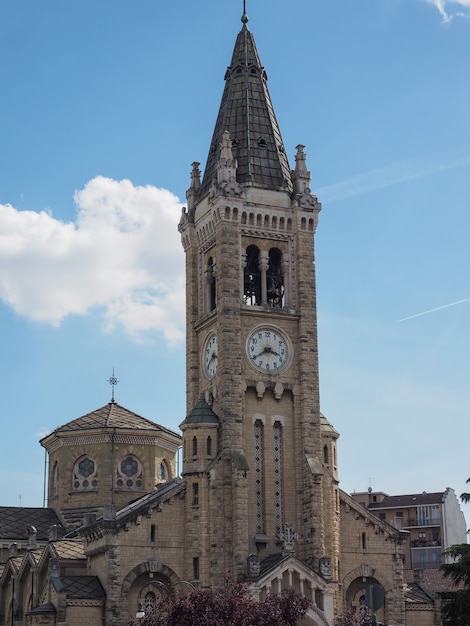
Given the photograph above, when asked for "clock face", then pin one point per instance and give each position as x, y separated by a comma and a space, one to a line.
268, 349
211, 356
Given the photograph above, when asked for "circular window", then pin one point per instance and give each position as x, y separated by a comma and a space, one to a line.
86, 467
129, 474
85, 474
129, 466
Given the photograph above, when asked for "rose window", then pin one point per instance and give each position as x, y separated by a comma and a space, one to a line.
129, 474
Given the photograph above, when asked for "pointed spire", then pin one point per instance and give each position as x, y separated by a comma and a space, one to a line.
193, 192
246, 112
301, 177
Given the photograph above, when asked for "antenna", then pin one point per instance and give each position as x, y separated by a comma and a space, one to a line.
113, 381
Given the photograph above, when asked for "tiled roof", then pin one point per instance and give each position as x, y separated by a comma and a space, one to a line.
432, 579
326, 426
415, 594
270, 561
44, 609
202, 414
247, 113
416, 499
14, 521
79, 587
165, 491
68, 549
112, 415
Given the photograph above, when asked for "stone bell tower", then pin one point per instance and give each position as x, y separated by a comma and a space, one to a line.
254, 451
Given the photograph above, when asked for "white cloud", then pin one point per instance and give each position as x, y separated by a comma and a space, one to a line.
122, 256
445, 8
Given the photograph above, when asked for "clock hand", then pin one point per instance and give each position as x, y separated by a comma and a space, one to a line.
267, 350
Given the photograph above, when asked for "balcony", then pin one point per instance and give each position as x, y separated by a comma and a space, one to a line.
426, 557
419, 543
413, 522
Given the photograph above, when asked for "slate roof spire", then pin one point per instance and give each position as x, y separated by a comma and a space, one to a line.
247, 113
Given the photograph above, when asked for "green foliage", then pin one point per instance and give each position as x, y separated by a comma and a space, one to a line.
459, 570
465, 497
230, 605
456, 605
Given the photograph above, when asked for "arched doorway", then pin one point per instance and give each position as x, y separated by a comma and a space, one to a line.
367, 596
146, 585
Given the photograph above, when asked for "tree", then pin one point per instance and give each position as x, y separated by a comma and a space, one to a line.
465, 497
456, 605
230, 605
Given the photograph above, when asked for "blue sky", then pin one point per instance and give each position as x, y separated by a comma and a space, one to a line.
104, 107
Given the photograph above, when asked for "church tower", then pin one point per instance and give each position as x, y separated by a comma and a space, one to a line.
258, 454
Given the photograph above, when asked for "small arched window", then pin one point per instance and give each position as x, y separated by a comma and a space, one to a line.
211, 283
209, 447
325, 455
194, 447
164, 471
150, 603
55, 480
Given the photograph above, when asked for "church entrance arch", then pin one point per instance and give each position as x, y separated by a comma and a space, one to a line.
367, 596
146, 584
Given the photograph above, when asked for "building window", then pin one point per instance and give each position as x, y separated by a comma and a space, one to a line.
152, 533
398, 520
277, 458
259, 476
363, 541
196, 568
194, 447
210, 284
209, 447
55, 480
85, 474
163, 472
129, 473
195, 494
150, 603
325, 455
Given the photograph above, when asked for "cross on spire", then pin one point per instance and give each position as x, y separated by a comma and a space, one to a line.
113, 381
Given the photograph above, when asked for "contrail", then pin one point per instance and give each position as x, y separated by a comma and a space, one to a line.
445, 306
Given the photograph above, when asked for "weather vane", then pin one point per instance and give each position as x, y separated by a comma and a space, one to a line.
113, 381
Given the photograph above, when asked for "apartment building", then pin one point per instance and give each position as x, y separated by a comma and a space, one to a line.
434, 521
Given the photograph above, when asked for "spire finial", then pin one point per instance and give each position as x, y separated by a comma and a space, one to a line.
244, 16
113, 381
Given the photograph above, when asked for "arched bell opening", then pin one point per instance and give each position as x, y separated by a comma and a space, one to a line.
275, 279
252, 277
